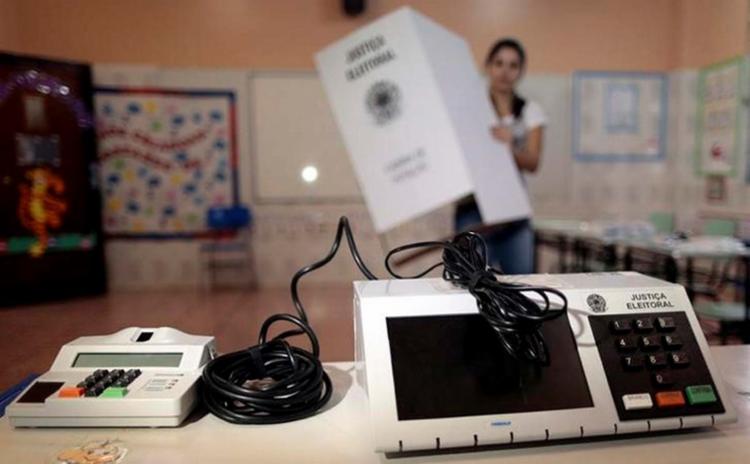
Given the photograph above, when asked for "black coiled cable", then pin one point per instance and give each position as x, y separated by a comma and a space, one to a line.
274, 382
507, 307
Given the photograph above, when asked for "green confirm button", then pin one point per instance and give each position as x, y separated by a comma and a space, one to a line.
700, 394
114, 392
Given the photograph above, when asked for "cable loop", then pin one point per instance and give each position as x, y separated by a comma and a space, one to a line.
275, 381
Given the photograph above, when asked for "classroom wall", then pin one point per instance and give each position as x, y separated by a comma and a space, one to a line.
609, 34
9, 32
281, 34
561, 36
711, 31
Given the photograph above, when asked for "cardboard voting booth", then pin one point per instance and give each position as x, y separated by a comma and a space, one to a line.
415, 117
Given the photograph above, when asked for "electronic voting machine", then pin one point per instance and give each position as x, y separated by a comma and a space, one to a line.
629, 356
136, 377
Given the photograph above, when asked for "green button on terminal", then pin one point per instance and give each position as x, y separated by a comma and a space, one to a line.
114, 392
700, 394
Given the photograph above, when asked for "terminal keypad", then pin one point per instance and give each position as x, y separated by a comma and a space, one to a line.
102, 383
654, 366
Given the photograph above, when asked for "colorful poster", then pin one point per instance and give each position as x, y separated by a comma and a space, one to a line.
718, 118
167, 156
619, 116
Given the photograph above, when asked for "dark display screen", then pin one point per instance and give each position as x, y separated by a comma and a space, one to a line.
452, 366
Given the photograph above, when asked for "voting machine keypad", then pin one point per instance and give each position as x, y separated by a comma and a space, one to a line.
102, 383
654, 366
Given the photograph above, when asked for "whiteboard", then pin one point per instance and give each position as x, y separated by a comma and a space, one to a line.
292, 127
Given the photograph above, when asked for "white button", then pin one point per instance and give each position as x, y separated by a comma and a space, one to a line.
637, 401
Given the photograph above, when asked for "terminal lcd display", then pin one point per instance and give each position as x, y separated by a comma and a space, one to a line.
128, 360
455, 365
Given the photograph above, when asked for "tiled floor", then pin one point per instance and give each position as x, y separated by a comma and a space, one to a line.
30, 336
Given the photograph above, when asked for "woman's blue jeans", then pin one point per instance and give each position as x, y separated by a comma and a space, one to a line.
510, 248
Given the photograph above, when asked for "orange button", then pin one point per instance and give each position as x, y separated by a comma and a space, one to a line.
670, 399
71, 392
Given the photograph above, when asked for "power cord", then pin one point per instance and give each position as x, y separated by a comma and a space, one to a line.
274, 382
508, 308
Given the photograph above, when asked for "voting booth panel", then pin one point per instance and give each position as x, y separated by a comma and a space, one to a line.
411, 108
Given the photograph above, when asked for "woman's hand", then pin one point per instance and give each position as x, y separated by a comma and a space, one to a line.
528, 158
502, 134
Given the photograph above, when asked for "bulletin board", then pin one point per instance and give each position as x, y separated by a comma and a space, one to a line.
167, 156
717, 143
619, 116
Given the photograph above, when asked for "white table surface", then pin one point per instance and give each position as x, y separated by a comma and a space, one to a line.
340, 434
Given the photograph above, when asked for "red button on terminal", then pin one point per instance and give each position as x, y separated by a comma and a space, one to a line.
670, 399
71, 392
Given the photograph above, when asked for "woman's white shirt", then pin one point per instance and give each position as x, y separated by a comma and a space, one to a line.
532, 116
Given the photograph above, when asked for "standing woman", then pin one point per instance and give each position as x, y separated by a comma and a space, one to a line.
520, 125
